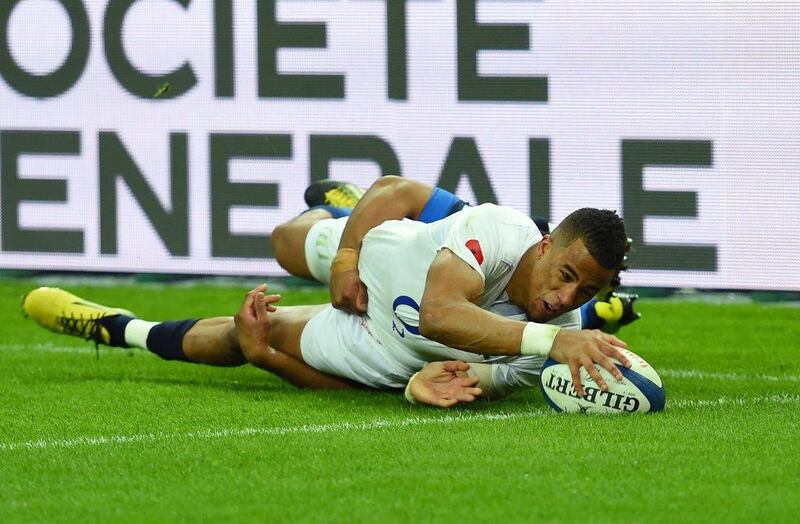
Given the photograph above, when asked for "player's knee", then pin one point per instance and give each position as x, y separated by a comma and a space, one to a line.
389, 181
289, 246
283, 245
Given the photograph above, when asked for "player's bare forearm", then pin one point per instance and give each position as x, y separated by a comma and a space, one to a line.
389, 198
463, 325
449, 314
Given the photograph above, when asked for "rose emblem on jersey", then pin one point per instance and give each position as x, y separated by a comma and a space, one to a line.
475, 247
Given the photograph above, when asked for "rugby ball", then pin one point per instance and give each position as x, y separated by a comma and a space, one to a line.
639, 391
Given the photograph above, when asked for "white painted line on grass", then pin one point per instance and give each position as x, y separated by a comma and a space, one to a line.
48, 348
732, 401
275, 431
361, 426
704, 375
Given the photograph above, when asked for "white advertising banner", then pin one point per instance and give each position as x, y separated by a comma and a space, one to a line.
173, 135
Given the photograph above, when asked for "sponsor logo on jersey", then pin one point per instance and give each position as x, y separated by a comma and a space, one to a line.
475, 247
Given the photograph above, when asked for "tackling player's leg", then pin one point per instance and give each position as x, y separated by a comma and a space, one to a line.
611, 313
325, 199
211, 341
289, 242
341, 195
62, 312
610, 309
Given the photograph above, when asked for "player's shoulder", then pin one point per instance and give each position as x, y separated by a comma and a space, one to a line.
503, 233
501, 214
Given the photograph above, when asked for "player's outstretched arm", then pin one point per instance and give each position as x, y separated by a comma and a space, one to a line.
389, 198
443, 384
253, 328
449, 315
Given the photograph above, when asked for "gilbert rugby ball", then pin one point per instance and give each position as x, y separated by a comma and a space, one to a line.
640, 390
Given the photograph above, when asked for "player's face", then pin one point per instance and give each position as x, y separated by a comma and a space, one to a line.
564, 278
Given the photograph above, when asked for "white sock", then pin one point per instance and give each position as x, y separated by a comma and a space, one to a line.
136, 332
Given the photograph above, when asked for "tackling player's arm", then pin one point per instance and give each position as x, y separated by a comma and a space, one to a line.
252, 332
389, 198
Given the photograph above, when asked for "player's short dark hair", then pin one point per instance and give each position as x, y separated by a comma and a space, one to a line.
602, 231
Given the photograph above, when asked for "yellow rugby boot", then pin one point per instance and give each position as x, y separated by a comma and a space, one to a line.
62, 312
616, 310
333, 193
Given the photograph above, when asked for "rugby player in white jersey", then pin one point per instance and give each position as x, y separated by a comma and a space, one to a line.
429, 286
306, 245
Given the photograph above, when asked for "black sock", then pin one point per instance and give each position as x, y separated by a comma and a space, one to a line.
166, 339
116, 329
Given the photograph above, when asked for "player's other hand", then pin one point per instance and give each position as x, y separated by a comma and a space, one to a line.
252, 320
348, 293
444, 384
584, 348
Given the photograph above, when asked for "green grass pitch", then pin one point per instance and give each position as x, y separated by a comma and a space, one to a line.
130, 438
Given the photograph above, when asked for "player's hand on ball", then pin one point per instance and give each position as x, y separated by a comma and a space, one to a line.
252, 321
444, 384
585, 348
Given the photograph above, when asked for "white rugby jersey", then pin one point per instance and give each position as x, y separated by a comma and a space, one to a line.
394, 262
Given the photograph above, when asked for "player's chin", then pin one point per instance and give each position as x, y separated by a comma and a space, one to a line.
540, 312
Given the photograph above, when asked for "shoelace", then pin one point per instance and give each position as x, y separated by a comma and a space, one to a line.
86, 328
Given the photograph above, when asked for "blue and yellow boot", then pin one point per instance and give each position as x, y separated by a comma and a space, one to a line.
616, 311
609, 310
332, 193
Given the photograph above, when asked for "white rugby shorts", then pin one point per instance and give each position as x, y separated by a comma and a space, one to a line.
342, 344
322, 242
